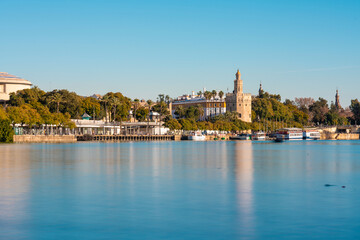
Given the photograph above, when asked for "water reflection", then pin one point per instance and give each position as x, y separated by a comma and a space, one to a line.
244, 170
14, 187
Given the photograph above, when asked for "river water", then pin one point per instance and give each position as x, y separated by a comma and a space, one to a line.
180, 190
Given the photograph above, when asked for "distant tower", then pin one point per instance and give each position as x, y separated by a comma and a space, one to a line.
238, 101
238, 83
337, 100
260, 89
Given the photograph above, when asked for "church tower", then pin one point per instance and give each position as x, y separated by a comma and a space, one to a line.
260, 89
238, 83
337, 100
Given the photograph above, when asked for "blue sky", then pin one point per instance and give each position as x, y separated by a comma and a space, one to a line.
143, 48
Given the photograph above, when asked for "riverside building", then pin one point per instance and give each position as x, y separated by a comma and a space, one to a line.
212, 107
10, 83
238, 101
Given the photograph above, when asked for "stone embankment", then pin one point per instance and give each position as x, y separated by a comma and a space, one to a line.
339, 136
44, 139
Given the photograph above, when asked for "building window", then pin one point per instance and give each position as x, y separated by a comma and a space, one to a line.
239, 104
215, 104
240, 114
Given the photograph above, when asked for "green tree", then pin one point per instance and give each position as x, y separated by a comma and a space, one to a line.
30, 96
180, 112
136, 105
56, 98
142, 113
188, 124
65, 102
207, 95
6, 131
3, 115
173, 124
355, 109
213, 94
162, 108
91, 106
319, 110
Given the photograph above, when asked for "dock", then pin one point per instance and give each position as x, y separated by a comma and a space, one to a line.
126, 138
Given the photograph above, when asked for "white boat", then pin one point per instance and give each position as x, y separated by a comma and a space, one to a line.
196, 136
242, 136
259, 136
311, 134
289, 134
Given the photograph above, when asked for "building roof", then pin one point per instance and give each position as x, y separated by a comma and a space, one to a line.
8, 78
85, 115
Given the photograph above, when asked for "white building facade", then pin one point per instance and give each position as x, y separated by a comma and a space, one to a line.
10, 83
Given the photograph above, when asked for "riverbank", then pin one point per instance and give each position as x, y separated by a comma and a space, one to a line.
127, 138
44, 139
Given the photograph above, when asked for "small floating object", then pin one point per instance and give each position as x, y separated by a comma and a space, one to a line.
329, 185
343, 186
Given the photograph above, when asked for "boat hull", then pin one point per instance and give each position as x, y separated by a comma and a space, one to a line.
197, 138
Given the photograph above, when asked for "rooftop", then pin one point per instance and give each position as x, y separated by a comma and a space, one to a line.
8, 78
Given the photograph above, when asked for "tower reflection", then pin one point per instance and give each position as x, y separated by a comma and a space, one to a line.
243, 159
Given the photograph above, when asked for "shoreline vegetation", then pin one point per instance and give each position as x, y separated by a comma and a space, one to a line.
34, 108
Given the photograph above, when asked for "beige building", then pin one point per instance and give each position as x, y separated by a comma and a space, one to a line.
10, 83
212, 107
238, 101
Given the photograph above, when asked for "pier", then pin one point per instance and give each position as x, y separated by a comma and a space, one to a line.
126, 138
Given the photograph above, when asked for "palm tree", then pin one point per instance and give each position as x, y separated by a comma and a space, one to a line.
199, 93
213, 94
201, 110
207, 95
180, 111
167, 99
149, 103
114, 103
136, 105
221, 95
106, 100
57, 98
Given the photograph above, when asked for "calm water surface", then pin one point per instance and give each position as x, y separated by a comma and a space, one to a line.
180, 190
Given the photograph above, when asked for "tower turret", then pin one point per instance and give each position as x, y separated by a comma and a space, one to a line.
238, 83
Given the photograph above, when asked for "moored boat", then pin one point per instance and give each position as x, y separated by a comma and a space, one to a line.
289, 134
196, 136
259, 136
311, 134
242, 136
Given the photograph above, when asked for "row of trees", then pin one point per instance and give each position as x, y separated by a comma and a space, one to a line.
111, 106
225, 122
